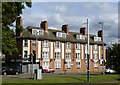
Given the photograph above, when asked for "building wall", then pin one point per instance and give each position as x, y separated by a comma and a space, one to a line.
51, 50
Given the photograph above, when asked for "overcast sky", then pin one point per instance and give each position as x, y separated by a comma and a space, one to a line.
75, 14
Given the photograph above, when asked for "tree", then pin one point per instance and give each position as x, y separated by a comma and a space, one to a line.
113, 56
10, 12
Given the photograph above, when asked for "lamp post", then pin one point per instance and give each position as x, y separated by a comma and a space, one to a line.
88, 56
103, 62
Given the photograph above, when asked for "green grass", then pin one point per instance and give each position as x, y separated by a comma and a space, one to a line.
65, 79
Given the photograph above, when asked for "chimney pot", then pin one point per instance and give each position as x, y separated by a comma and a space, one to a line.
44, 25
65, 29
83, 30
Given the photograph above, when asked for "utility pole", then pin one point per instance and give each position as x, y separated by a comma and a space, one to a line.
88, 56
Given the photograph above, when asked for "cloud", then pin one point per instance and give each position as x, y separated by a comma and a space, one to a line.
75, 14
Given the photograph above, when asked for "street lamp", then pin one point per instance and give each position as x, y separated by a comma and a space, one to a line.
103, 62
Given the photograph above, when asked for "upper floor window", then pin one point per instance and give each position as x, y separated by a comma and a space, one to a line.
25, 42
79, 36
95, 56
57, 44
37, 32
25, 54
97, 38
68, 45
60, 34
68, 55
45, 43
77, 55
34, 43
44, 54
95, 47
77, 46
57, 55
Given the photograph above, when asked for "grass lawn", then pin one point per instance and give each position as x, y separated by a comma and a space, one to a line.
66, 79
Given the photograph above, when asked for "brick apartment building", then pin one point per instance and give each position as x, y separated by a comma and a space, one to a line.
61, 49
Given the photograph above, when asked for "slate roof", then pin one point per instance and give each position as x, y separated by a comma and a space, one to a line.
50, 35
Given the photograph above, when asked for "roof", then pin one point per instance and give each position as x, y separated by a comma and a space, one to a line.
51, 36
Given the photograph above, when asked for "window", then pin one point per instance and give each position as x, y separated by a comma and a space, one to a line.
37, 32
77, 55
95, 64
45, 43
79, 36
68, 65
64, 35
46, 63
95, 56
25, 54
57, 64
34, 43
78, 64
68, 55
97, 38
78, 46
95, 47
68, 45
44, 54
57, 44
57, 55
26, 43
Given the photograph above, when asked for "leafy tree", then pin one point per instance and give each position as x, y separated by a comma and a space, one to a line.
113, 56
10, 12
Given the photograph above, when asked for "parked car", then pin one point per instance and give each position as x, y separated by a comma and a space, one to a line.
109, 70
48, 70
7, 71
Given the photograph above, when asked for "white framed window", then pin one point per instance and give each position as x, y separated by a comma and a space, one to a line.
25, 54
57, 55
95, 64
68, 55
77, 45
77, 55
45, 64
79, 36
68, 65
25, 42
78, 65
45, 43
64, 35
99, 38
57, 64
57, 44
37, 32
58, 34
68, 45
95, 47
95, 56
34, 43
45, 55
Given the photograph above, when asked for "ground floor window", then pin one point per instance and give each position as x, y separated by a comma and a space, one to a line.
95, 64
78, 65
45, 63
57, 64
68, 65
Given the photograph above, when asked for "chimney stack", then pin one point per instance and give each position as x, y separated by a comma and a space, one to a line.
100, 34
83, 30
44, 25
65, 29
19, 21
18, 26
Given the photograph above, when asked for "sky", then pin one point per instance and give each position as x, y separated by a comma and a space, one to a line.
75, 14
